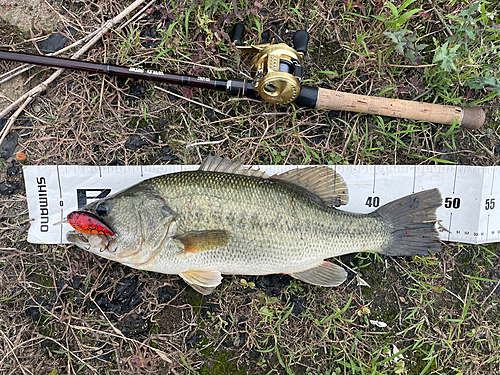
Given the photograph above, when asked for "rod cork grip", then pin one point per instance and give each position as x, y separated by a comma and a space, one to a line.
472, 118
300, 41
238, 31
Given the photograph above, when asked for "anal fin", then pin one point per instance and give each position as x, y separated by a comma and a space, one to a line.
326, 274
203, 282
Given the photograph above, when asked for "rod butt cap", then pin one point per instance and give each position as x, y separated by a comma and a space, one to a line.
473, 118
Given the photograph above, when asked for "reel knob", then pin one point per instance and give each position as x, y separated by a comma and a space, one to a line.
238, 31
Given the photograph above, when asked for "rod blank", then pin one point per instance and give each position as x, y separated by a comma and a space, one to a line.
309, 97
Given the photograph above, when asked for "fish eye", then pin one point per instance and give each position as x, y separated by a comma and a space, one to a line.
102, 209
70, 216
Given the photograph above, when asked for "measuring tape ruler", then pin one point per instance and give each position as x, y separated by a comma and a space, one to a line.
470, 211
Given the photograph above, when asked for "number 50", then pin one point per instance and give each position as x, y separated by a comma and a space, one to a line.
450, 202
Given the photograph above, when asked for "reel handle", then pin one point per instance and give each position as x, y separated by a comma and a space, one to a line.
238, 31
300, 41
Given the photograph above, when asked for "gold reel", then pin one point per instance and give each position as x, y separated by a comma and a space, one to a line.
277, 72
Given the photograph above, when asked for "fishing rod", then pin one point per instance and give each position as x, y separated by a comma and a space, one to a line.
277, 71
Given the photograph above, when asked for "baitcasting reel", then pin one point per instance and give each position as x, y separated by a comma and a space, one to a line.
276, 68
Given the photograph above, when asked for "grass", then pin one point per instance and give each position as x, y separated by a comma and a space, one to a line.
433, 315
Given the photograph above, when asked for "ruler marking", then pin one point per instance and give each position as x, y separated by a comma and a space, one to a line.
374, 173
142, 175
100, 172
335, 179
492, 181
487, 227
455, 180
59, 182
450, 228
414, 177
60, 209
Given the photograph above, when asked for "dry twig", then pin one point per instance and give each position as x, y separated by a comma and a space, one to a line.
25, 99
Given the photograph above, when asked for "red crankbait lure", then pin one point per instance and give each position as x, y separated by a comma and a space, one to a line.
85, 222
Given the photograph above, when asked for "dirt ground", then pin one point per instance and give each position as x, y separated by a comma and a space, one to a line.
66, 311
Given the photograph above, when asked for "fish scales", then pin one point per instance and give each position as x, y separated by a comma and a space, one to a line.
224, 219
276, 226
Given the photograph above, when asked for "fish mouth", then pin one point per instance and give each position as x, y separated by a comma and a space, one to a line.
81, 236
102, 245
134, 255
77, 238
96, 243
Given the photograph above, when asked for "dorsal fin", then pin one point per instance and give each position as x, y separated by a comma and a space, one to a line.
214, 163
323, 181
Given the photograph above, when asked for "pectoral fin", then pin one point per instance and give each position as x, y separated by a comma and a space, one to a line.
326, 274
203, 282
196, 241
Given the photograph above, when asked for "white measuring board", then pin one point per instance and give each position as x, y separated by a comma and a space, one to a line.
470, 210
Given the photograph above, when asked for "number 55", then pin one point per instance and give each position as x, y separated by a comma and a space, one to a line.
490, 204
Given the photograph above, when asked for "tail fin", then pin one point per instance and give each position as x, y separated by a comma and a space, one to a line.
413, 220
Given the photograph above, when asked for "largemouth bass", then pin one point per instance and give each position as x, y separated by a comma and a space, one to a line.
225, 219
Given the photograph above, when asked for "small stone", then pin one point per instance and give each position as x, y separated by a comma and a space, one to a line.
135, 92
496, 149
165, 294
168, 158
3, 121
116, 162
12, 170
211, 114
37, 108
103, 351
149, 35
133, 325
227, 344
25, 128
77, 281
193, 340
143, 137
255, 354
333, 115
53, 43
8, 187
173, 94
8, 145
125, 287
33, 309
298, 305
